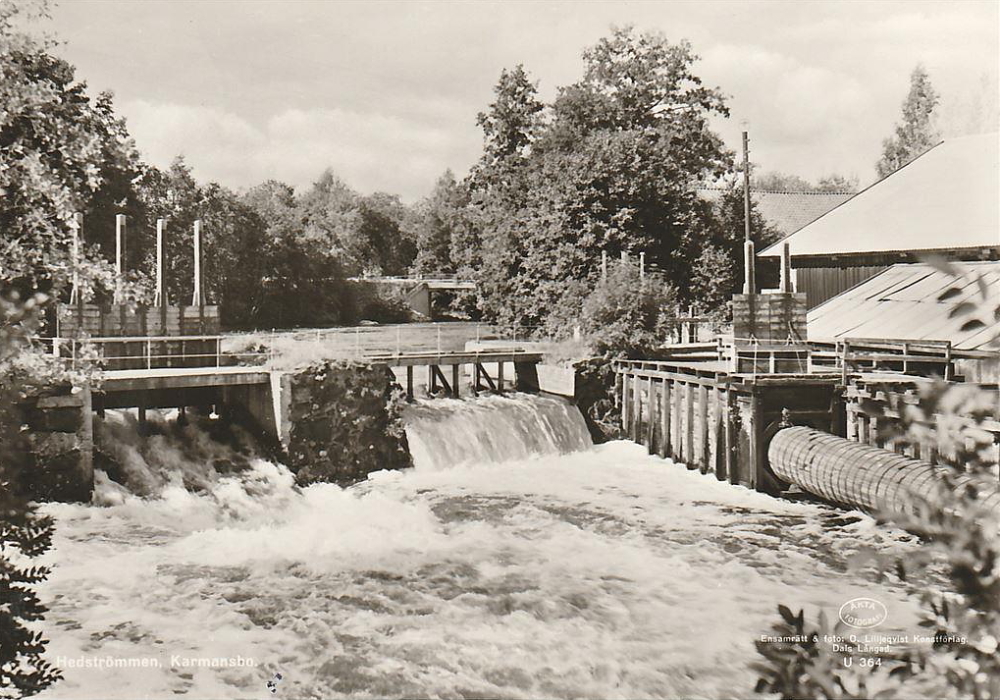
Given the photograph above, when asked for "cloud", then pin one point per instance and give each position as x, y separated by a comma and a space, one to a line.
369, 151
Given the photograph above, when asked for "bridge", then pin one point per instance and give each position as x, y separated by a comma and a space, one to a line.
418, 289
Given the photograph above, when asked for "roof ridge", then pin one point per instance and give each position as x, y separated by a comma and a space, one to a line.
760, 191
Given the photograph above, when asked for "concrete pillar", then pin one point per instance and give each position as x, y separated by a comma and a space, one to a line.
76, 239
161, 294
119, 257
198, 296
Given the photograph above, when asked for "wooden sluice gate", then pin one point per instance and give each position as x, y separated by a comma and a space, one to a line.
700, 415
770, 431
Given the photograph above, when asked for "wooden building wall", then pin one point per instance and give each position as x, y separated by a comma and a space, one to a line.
822, 283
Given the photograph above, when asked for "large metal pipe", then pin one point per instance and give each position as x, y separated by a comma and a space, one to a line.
850, 473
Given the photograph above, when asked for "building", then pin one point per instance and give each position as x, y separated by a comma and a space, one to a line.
786, 212
945, 202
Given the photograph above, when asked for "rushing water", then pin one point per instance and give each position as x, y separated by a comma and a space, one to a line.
516, 560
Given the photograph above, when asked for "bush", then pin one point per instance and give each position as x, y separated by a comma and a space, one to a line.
956, 531
24, 533
628, 315
381, 303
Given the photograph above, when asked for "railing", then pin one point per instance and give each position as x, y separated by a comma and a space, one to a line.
152, 352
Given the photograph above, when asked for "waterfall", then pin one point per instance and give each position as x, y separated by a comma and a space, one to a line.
445, 433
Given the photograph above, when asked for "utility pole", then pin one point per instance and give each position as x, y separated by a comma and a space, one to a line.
749, 281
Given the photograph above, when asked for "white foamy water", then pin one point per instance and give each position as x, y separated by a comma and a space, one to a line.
555, 570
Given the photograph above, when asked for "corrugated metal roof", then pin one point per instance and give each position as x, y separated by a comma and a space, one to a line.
787, 211
901, 302
945, 199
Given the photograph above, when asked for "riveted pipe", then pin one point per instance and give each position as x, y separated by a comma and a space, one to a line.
865, 477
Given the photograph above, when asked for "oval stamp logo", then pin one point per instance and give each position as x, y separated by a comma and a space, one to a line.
863, 613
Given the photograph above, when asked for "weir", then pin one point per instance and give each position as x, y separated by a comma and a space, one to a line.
288, 410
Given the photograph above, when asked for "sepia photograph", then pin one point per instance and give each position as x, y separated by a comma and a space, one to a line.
500, 349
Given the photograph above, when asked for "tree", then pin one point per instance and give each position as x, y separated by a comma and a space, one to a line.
610, 170
916, 133
715, 246
298, 264
438, 219
510, 124
56, 150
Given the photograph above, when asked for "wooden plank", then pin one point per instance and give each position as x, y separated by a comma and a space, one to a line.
704, 423
651, 420
689, 457
636, 410
455, 369
730, 437
664, 446
677, 391
409, 383
626, 409
719, 440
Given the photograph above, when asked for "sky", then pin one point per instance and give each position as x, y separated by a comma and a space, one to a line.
386, 93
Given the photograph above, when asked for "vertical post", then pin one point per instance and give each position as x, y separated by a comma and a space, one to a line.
749, 284
439, 339
409, 382
626, 403
665, 419
197, 298
651, 419
431, 380
703, 413
786, 268
691, 460
676, 453
642, 266
77, 235
455, 376
119, 256
500, 377
398, 344
604, 265
718, 459
731, 440
161, 296
636, 434
750, 277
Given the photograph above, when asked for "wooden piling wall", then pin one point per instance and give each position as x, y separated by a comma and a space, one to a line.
719, 423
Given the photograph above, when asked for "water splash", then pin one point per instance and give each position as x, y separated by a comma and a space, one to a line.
445, 433
555, 569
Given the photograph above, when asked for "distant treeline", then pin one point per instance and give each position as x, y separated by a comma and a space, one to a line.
611, 165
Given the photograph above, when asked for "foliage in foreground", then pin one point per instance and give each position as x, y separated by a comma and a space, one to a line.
25, 534
956, 532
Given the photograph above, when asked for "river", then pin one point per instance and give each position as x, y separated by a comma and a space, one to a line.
516, 560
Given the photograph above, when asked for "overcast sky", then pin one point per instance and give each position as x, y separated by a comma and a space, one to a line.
387, 93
